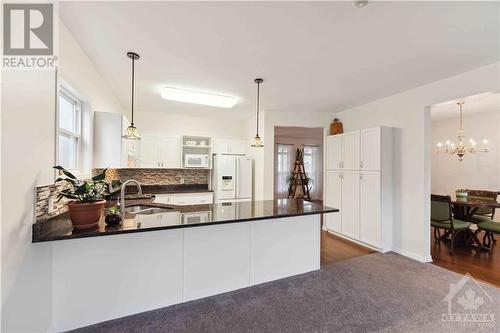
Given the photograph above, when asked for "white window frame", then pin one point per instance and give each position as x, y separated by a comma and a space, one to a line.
65, 93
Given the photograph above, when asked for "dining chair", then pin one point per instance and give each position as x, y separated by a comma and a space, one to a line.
482, 215
489, 228
442, 218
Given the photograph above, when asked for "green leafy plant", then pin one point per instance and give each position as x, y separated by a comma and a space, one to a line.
113, 211
83, 191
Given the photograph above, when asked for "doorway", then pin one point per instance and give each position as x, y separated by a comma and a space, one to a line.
474, 175
308, 140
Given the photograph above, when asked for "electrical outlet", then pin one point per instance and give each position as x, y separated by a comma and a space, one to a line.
50, 206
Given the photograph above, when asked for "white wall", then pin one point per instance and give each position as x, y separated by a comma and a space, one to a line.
264, 180
478, 171
169, 124
28, 154
409, 113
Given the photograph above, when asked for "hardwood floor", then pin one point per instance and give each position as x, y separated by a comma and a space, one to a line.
484, 266
335, 249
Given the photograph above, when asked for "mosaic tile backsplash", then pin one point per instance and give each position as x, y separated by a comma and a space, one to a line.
143, 176
159, 176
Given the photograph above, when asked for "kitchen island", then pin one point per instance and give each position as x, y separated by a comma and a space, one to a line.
175, 255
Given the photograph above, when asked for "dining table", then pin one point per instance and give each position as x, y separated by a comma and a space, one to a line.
464, 208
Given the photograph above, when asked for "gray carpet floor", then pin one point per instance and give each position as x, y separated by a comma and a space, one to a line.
372, 293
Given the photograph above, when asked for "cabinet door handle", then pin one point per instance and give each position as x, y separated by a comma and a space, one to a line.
340, 165
361, 164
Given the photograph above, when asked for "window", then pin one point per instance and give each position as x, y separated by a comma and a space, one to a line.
69, 140
312, 166
284, 162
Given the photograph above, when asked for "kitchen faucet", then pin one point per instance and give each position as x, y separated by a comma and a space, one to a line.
122, 194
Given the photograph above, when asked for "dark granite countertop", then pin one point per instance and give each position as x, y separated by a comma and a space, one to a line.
59, 227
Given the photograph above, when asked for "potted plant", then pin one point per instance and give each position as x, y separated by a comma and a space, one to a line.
113, 216
87, 198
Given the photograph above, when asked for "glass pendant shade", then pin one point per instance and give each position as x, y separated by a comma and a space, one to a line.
131, 133
257, 142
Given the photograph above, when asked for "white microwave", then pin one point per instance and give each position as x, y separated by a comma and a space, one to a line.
196, 161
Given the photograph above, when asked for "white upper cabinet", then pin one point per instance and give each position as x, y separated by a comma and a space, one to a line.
350, 151
149, 152
110, 149
169, 151
229, 146
370, 149
334, 152
160, 152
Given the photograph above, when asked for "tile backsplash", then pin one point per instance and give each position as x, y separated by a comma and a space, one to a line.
43, 195
159, 176
143, 176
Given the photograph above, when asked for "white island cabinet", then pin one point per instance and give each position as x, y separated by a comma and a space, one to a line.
103, 278
359, 182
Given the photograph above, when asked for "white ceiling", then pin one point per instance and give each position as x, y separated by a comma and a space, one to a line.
321, 56
485, 102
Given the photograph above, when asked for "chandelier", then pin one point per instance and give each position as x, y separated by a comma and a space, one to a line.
461, 149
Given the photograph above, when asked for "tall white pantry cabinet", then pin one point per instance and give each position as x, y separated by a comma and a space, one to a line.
358, 181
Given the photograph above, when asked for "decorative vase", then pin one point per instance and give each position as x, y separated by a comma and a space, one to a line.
85, 215
336, 127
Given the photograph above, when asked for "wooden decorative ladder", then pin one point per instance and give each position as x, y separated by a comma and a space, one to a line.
298, 179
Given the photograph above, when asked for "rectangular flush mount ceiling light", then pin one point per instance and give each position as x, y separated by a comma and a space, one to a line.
198, 97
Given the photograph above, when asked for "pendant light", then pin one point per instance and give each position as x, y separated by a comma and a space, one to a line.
132, 133
257, 141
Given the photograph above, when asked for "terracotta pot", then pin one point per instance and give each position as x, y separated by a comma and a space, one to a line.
85, 215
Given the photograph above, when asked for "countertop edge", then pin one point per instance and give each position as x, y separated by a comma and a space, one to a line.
177, 226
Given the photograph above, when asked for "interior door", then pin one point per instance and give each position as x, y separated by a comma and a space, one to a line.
350, 204
149, 154
170, 153
370, 149
333, 152
370, 208
350, 151
333, 198
243, 177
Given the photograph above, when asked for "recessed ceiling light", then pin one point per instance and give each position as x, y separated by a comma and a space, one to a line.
198, 97
360, 4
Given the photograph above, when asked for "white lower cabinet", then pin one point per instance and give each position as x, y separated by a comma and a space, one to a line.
370, 223
333, 199
350, 204
183, 199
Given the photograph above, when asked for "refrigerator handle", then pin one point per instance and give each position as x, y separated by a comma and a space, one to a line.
236, 176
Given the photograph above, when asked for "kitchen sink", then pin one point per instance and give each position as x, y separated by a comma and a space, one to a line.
146, 210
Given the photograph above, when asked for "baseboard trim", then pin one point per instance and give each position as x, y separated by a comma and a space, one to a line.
412, 255
356, 241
